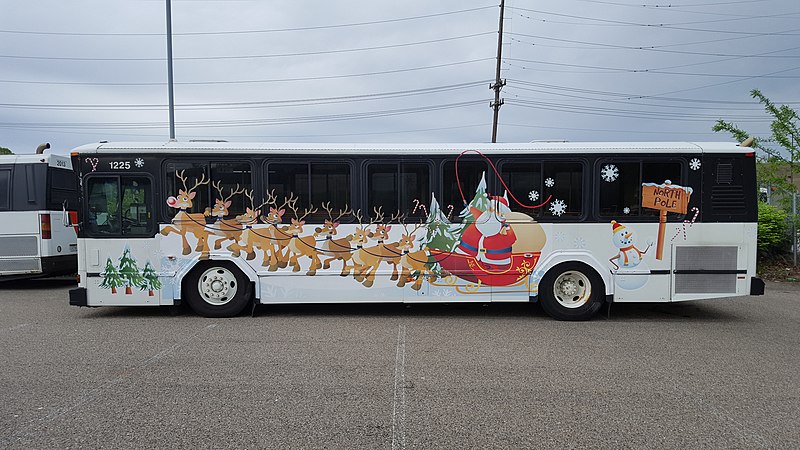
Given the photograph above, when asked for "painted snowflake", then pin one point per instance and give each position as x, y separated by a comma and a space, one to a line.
558, 207
694, 164
626, 210
609, 173
549, 182
139, 162
533, 196
580, 242
560, 236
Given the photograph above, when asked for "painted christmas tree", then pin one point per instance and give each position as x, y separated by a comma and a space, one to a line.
440, 234
149, 280
129, 271
480, 201
111, 277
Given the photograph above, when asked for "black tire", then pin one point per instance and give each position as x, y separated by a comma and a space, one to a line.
216, 289
571, 291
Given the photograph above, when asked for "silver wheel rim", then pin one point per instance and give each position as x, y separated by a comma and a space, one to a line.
572, 289
217, 286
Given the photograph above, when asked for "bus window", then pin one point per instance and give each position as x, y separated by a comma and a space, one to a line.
62, 190
103, 203
330, 183
524, 180
473, 176
415, 190
620, 186
119, 206
227, 176
564, 181
312, 184
399, 188
620, 191
5, 188
193, 172
136, 204
383, 188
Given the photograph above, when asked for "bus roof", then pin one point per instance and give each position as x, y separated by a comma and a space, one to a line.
46, 158
405, 149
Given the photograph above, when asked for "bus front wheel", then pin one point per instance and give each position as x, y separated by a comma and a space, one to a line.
216, 289
571, 291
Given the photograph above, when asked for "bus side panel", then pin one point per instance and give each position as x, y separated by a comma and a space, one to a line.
62, 246
20, 243
122, 272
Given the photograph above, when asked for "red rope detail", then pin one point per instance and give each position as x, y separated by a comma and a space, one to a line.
464, 200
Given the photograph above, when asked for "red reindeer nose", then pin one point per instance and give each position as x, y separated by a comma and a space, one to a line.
172, 201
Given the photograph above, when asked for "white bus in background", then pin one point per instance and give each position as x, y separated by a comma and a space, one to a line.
37, 192
569, 225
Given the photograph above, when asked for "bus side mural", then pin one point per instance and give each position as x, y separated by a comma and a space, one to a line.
492, 247
221, 225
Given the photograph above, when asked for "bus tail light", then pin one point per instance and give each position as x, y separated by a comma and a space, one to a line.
751, 154
73, 218
46, 229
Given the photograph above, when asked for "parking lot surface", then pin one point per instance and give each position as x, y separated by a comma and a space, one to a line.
707, 374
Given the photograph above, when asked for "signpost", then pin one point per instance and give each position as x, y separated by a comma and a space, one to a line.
665, 198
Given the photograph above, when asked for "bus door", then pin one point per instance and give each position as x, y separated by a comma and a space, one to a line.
120, 258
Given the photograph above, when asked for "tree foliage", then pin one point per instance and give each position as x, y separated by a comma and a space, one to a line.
772, 229
5, 151
779, 151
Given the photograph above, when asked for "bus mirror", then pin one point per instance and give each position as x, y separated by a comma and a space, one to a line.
66, 216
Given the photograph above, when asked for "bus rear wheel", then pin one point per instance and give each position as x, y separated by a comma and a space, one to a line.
571, 291
216, 289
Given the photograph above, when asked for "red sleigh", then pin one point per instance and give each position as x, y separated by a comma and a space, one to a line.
470, 269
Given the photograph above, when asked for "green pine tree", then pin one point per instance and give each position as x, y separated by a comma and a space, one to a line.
150, 280
111, 277
129, 271
480, 202
439, 233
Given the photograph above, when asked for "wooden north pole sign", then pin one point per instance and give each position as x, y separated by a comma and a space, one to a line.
665, 198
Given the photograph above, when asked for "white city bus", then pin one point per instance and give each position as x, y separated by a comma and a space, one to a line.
37, 192
572, 226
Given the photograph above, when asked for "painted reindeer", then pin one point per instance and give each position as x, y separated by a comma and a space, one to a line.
251, 238
183, 222
228, 229
368, 259
272, 240
301, 245
414, 264
334, 248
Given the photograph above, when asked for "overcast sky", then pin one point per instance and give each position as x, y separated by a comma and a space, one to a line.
386, 71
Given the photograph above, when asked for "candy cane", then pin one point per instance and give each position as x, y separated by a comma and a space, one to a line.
683, 225
417, 205
450, 214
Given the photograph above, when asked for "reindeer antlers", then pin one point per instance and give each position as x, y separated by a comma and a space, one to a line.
291, 203
182, 177
218, 187
342, 212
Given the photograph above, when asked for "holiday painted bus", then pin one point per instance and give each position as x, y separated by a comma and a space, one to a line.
37, 193
221, 226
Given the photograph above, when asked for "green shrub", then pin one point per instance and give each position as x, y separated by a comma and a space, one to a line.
772, 229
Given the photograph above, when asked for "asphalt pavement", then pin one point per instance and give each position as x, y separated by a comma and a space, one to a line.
707, 374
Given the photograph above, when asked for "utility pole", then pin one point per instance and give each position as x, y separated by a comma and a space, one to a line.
498, 83
169, 73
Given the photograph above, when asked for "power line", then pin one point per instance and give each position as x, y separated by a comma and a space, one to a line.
276, 30
272, 80
648, 25
251, 104
277, 55
246, 122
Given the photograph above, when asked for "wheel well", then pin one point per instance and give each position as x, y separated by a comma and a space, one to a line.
582, 265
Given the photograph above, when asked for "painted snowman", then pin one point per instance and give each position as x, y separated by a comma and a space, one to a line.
629, 255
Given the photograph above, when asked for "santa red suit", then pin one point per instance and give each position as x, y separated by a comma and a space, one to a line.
489, 239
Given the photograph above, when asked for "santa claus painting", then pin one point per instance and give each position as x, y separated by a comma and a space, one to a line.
489, 239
